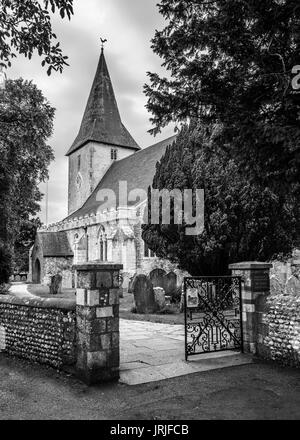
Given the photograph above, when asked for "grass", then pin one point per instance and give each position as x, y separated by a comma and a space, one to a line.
43, 292
169, 315
4, 289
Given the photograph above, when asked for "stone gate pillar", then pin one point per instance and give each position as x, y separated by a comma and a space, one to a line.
97, 321
255, 289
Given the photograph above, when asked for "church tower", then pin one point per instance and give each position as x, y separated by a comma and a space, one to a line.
101, 140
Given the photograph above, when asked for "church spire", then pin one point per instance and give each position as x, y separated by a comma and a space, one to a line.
101, 120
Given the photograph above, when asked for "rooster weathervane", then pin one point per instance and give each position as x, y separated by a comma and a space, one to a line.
103, 41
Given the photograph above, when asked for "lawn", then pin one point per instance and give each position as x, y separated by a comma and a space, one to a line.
43, 292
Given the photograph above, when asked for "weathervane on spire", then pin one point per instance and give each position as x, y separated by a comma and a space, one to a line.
103, 41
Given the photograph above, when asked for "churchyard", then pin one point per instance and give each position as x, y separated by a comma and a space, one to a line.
169, 315
101, 331
161, 276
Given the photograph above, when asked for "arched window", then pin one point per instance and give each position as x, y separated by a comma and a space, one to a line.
102, 245
91, 158
78, 181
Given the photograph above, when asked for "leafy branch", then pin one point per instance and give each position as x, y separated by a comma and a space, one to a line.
25, 28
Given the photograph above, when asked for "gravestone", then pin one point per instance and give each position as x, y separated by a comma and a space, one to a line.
144, 295
157, 277
56, 283
170, 283
131, 283
160, 297
293, 286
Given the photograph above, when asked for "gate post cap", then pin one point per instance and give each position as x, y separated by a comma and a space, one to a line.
249, 265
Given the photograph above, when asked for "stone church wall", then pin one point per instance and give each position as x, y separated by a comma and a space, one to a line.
59, 265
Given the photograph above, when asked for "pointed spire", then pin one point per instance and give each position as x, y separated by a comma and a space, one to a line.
101, 121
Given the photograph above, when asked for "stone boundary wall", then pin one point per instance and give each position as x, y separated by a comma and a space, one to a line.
271, 321
39, 330
278, 329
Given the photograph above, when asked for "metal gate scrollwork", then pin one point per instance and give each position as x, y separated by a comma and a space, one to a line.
212, 314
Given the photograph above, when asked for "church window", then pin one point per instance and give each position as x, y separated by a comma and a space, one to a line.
78, 162
91, 182
78, 181
101, 250
148, 253
103, 247
114, 154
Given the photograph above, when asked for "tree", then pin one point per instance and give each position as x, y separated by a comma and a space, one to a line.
25, 26
242, 221
24, 241
26, 122
230, 62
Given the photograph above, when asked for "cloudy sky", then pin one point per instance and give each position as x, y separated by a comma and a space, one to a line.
129, 26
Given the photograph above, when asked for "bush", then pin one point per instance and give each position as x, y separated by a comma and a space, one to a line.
4, 289
5, 264
167, 310
176, 295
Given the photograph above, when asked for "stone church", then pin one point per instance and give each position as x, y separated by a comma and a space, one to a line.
103, 154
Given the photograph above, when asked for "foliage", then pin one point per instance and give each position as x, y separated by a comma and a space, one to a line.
243, 220
176, 295
4, 289
25, 27
25, 240
230, 61
26, 122
5, 263
167, 310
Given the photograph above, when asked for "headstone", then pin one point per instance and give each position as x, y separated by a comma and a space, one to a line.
56, 283
160, 297
170, 283
156, 277
121, 292
131, 283
144, 295
293, 286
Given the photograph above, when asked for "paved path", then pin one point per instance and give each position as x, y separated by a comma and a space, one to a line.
21, 290
152, 352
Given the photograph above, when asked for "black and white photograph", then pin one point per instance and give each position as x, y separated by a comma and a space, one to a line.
150, 213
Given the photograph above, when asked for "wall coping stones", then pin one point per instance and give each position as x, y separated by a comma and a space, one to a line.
42, 303
246, 265
97, 265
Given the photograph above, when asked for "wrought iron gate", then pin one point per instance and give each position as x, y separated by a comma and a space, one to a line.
212, 314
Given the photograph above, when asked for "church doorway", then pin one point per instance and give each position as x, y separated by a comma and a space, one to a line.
37, 272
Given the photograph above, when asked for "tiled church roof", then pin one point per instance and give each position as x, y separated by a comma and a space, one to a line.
55, 244
137, 170
101, 121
